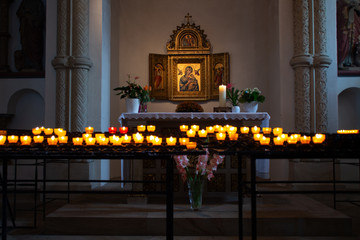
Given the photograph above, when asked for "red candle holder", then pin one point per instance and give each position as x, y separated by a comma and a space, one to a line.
112, 130
123, 130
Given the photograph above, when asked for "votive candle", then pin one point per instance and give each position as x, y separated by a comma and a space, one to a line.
318, 138
184, 128
183, 141
141, 128
277, 131
63, 139
25, 140
13, 139
36, 131
89, 129
305, 139
233, 136
151, 128
48, 131
52, 140
86, 135
220, 136
117, 140
123, 130
255, 130
266, 130
190, 133
90, 141
138, 138
38, 139
244, 130
157, 141
77, 140
126, 139
2, 139
202, 133
264, 140
278, 140
103, 141
171, 141
60, 132
210, 129
292, 139
112, 130
257, 136
195, 127
191, 145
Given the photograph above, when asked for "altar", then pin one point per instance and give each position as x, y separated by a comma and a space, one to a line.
226, 176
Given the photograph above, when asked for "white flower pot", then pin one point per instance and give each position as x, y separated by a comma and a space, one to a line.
235, 109
250, 107
132, 105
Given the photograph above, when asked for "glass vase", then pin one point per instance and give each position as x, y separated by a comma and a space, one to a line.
143, 107
196, 187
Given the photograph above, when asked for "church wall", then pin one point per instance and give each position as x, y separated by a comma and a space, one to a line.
248, 30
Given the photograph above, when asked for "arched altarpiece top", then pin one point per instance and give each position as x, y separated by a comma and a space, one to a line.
189, 70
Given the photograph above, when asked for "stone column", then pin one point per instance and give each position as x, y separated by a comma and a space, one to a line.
80, 64
301, 63
4, 35
60, 63
321, 63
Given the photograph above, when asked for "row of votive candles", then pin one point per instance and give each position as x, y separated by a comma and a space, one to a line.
292, 139
124, 129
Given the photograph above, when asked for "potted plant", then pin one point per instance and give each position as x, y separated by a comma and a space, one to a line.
132, 92
233, 95
250, 99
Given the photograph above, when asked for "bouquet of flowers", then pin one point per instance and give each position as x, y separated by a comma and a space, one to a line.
250, 95
132, 90
232, 94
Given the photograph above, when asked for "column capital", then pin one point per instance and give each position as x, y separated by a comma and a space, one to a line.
305, 60
322, 61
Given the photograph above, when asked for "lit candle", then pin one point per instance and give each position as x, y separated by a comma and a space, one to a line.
36, 131
264, 140
292, 139
86, 135
220, 136
227, 126
112, 130
52, 140
77, 141
63, 139
89, 130
48, 131
184, 128
210, 129
222, 96
318, 138
278, 141
258, 136
183, 141
150, 138
60, 132
244, 130
141, 128
233, 136
232, 130
191, 145
305, 139
157, 141
151, 128
284, 136
221, 129
38, 139
202, 133
255, 130
2, 139
126, 139
138, 138
190, 133
352, 131
90, 141
56, 130
171, 141
277, 131
103, 141
296, 136
266, 130
99, 136
123, 130
13, 139
216, 127
117, 140
25, 140
195, 127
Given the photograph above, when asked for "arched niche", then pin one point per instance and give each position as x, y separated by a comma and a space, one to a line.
348, 108
28, 107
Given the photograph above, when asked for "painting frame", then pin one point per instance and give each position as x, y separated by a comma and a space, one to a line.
220, 73
158, 80
176, 93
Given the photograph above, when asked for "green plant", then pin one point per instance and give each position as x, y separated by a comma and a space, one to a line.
232, 94
250, 95
134, 90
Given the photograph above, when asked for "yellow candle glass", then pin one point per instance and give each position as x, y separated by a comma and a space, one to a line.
292, 139
77, 141
220, 136
216, 127
278, 141
104, 141
258, 136
221, 129
184, 128
2, 139
183, 141
25, 140
284, 136
202, 133
141, 128
233, 136
266, 130
318, 138
48, 131
157, 141
352, 131
305, 139
126, 139
90, 141
151, 128
52, 140
86, 135
244, 130
231, 129
13, 139
264, 140
171, 141
60, 132
138, 138
195, 127
117, 140
150, 138
89, 130
56, 130
38, 139
191, 145
63, 139
36, 131
277, 131
255, 130
210, 129
190, 133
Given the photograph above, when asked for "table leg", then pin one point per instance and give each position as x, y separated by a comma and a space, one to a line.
4, 201
253, 198
169, 199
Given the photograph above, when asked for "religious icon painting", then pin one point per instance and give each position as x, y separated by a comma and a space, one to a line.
158, 76
188, 77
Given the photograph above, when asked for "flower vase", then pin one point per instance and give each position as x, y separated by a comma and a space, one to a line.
132, 105
235, 109
250, 107
143, 107
196, 187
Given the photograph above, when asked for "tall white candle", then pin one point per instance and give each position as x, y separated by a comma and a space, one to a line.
222, 96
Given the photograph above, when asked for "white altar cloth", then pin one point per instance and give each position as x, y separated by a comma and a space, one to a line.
262, 165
